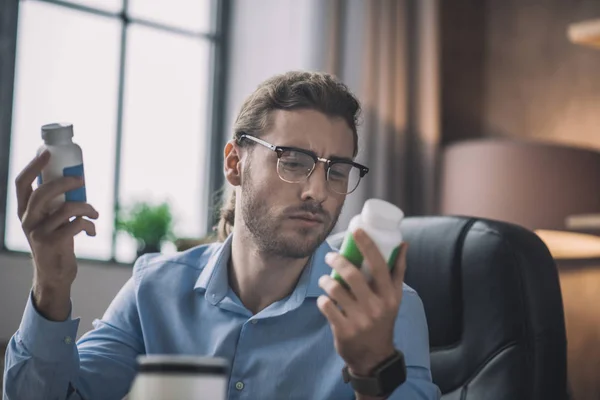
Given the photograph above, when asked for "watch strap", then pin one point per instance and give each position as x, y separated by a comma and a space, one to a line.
384, 379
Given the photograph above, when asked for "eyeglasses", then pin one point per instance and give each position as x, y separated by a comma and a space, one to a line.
296, 165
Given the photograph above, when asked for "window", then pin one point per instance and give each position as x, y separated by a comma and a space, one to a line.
138, 79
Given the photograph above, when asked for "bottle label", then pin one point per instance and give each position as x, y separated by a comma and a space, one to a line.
79, 193
393, 257
350, 251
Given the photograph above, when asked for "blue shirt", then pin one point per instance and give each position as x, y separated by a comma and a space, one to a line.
183, 304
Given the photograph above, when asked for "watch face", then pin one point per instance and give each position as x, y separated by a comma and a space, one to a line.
392, 374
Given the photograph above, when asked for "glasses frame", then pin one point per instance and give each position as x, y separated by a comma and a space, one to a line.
279, 150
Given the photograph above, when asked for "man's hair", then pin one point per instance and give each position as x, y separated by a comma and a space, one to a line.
290, 91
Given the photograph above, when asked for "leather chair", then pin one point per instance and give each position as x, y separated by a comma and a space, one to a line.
493, 304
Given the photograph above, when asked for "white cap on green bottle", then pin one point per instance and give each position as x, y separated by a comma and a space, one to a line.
381, 214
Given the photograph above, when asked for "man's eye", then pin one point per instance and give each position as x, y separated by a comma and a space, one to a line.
337, 175
292, 164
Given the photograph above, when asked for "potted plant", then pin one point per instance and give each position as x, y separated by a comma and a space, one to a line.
149, 224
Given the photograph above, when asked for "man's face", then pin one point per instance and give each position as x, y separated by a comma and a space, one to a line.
293, 219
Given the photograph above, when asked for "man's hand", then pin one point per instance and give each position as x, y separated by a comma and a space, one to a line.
362, 319
50, 235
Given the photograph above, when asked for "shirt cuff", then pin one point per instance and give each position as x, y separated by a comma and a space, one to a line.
47, 340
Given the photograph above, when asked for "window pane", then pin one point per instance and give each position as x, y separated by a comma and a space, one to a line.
165, 121
106, 5
187, 14
67, 70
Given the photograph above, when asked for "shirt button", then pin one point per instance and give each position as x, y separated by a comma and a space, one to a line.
254, 322
239, 385
68, 340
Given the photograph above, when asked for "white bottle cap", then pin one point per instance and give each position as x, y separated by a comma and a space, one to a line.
58, 132
381, 214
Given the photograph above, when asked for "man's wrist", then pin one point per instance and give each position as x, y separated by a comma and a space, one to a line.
367, 367
52, 303
379, 381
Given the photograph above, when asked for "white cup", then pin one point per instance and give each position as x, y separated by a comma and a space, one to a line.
167, 377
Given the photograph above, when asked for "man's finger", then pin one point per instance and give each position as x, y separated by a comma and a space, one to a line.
48, 191
25, 179
336, 292
376, 263
351, 275
67, 211
77, 225
400, 269
331, 312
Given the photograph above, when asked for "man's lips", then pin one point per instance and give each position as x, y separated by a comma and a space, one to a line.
308, 217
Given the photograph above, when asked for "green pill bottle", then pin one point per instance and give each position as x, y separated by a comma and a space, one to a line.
381, 221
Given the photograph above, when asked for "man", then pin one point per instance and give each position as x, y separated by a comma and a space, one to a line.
262, 298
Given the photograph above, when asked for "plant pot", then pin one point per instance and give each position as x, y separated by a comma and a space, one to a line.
183, 244
148, 248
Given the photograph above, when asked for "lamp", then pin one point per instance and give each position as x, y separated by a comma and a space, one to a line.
551, 189
586, 33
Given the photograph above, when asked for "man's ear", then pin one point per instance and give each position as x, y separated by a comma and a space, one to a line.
232, 163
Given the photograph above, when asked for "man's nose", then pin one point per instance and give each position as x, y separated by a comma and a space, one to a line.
316, 186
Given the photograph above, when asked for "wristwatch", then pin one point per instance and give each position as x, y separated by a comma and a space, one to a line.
383, 380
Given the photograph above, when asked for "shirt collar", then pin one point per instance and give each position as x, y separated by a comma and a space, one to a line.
318, 268
214, 279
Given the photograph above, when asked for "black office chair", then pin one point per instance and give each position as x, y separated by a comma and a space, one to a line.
493, 303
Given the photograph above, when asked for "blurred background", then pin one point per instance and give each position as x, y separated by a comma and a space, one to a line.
487, 108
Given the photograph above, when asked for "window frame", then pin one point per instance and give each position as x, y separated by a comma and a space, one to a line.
218, 38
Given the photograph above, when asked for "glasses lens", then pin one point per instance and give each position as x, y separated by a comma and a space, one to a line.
343, 177
294, 166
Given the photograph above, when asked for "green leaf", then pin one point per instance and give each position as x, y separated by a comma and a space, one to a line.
148, 223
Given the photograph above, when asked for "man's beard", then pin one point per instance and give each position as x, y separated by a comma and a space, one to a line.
266, 229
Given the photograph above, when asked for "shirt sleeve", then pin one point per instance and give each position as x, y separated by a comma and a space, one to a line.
43, 361
411, 336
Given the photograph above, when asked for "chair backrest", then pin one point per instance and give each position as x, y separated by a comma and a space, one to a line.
494, 308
